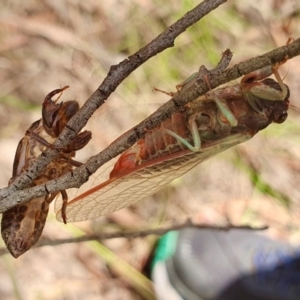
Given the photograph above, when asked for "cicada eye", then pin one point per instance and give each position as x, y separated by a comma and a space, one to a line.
280, 118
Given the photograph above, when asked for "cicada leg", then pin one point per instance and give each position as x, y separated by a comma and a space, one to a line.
224, 109
185, 82
255, 91
195, 135
202, 73
64, 197
171, 94
193, 126
275, 68
283, 87
222, 65
221, 104
78, 143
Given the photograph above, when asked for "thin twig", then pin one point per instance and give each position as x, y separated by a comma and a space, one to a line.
144, 233
137, 234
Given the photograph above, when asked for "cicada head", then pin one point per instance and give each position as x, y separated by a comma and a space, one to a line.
56, 115
267, 97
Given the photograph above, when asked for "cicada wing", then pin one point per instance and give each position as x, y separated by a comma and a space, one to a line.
145, 180
100, 176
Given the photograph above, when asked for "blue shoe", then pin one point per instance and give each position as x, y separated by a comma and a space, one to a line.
198, 264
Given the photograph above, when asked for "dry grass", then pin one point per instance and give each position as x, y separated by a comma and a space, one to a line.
48, 44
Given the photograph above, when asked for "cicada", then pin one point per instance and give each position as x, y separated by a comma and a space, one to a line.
205, 127
22, 225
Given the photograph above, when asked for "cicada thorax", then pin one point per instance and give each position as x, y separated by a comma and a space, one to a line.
23, 224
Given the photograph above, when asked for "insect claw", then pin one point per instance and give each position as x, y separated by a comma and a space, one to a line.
48, 98
64, 196
80, 141
62, 89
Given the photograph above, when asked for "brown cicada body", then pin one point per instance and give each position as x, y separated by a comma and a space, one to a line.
22, 225
207, 126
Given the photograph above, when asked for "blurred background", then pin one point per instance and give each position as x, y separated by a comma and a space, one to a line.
46, 44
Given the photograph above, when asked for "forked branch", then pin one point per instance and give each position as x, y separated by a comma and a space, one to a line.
115, 76
16, 194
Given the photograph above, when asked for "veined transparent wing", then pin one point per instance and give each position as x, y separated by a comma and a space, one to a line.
146, 179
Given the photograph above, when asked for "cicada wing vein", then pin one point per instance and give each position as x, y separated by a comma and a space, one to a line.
146, 179
100, 176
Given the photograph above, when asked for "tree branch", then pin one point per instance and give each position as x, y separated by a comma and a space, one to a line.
115, 76
137, 234
193, 90
16, 194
